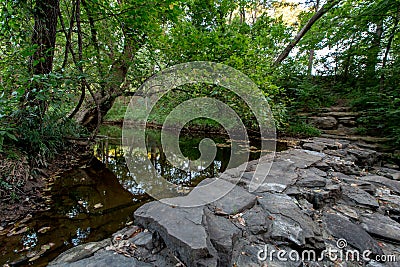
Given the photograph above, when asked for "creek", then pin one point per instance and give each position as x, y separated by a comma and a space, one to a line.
94, 201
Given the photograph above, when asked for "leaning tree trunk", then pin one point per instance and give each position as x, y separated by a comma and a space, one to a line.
324, 9
88, 114
101, 100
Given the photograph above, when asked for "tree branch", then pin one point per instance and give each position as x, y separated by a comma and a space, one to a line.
324, 9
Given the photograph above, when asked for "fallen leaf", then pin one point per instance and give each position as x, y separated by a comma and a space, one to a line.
41, 252
44, 229
21, 231
136, 233
31, 254
45, 247
27, 218
381, 244
98, 206
219, 211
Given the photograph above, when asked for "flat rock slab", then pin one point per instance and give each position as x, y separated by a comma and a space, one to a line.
273, 179
79, 252
235, 201
184, 229
104, 258
390, 203
389, 173
314, 146
383, 181
340, 165
347, 211
381, 226
364, 156
278, 176
180, 228
288, 222
353, 181
311, 178
326, 122
325, 143
342, 228
301, 158
353, 195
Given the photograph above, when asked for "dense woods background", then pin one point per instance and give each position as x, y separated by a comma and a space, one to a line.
64, 63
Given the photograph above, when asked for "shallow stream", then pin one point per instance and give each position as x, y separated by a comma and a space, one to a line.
93, 201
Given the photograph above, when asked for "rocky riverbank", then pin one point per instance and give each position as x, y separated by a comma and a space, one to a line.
325, 197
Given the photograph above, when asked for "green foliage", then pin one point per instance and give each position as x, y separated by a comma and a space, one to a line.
381, 112
7, 135
349, 62
301, 129
40, 134
44, 139
310, 96
117, 112
4, 184
361, 130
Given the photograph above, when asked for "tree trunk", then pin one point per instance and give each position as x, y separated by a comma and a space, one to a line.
312, 52
102, 100
325, 8
373, 55
44, 39
111, 89
88, 114
388, 47
310, 62
242, 14
44, 35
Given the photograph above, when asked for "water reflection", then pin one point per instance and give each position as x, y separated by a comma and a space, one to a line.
88, 204
110, 151
92, 202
